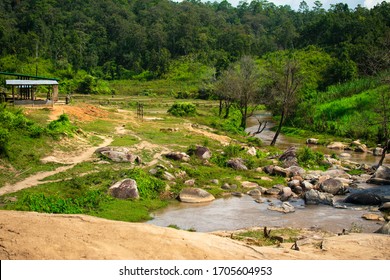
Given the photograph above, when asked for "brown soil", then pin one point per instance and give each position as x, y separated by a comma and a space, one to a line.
80, 112
28, 235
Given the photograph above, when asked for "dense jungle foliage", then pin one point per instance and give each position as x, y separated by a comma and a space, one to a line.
339, 57
116, 39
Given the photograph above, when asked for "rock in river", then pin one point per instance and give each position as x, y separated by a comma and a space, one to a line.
195, 195
381, 176
316, 197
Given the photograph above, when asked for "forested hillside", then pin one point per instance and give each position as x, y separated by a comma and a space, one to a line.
118, 39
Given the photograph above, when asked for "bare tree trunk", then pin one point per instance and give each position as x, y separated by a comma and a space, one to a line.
385, 149
278, 130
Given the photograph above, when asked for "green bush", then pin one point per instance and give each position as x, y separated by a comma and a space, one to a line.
61, 126
4, 138
182, 109
306, 157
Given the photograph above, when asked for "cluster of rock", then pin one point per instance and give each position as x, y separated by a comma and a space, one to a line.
355, 146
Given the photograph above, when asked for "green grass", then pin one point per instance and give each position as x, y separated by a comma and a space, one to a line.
124, 140
288, 234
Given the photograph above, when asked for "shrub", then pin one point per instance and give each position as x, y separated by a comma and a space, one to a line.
307, 157
182, 109
4, 138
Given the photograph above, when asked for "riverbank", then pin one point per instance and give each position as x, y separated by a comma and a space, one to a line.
38, 236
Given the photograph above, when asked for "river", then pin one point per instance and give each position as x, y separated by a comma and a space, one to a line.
234, 213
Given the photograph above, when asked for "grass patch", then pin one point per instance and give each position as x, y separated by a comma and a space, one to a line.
257, 237
124, 140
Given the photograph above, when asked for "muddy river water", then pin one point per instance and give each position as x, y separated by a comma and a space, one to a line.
233, 213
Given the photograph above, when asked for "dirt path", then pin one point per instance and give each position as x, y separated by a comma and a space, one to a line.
71, 160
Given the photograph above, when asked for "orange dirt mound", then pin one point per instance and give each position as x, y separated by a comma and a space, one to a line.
80, 112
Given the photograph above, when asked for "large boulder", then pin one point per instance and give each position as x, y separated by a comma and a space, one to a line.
237, 164
364, 198
195, 195
381, 176
333, 186
124, 189
285, 194
289, 157
316, 197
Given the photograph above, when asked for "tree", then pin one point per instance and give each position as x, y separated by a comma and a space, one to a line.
282, 94
384, 119
240, 84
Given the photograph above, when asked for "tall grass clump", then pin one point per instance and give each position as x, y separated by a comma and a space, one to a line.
182, 109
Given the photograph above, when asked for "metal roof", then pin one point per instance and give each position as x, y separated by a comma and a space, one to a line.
30, 82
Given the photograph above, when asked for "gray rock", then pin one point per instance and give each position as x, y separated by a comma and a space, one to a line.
289, 157
333, 173
293, 183
364, 198
203, 152
283, 172
333, 186
254, 192
316, 197
119, 154
237, 164
296, 171
272, 191
124, 189
297, 190
306, 185
195, 195
381, 176
385, 229
285, 194
285, 207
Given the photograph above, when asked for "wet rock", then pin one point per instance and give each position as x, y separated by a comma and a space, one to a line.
285, 207
361, 148
345, 155
124, 189
237, 164
385, 210
316, 197
333, 186
381, 176
364, 198
195, 195
237, 194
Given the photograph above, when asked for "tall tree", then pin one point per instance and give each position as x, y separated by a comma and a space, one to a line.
240, 84
283, 92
